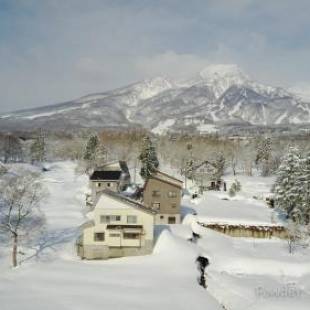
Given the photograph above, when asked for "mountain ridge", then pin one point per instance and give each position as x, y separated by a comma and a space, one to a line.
217, 94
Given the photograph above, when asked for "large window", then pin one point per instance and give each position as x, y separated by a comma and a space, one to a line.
131, 219
171, 220
156, 193
99, 236
156, 205
131, 235
109, 218
172, 194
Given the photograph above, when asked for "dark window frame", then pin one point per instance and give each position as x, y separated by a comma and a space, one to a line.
132, 236
99, 236
171, 220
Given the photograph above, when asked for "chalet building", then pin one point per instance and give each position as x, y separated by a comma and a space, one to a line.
163, 193
114, 176
120, 227
204, 175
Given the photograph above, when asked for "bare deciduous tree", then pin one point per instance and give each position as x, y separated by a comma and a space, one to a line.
19, 206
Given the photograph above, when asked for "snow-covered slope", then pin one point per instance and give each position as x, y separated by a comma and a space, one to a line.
218, 93
51, 275
244, 273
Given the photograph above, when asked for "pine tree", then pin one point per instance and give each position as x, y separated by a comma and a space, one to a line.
287, 187
91, 148
148, 158
304, 182
37, 149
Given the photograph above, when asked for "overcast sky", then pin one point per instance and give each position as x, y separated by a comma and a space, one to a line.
56, 50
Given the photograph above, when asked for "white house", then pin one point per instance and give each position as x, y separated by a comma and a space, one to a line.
120, 227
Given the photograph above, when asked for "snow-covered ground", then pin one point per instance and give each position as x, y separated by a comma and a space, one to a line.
53, 277
247, 207
244, 273
248, 273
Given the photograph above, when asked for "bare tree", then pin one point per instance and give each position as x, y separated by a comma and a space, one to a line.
3, 169
293, 235
12, 149
19, 206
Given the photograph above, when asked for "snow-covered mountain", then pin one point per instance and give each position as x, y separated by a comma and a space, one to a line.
217, 94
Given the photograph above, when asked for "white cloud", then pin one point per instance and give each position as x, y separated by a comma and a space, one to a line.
55, 51
170, 64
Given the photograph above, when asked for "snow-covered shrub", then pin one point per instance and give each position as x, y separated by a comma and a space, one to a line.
234, 188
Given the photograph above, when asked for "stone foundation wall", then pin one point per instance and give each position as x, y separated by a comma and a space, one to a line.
250, 231
105, 252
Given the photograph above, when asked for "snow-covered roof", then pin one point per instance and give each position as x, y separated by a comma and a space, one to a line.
113, 200
161, 176
118, 165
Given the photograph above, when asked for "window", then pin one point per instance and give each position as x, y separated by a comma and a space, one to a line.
109, 218
115, 218
156, 193
114, 235
162, 217
99, 236
172, 194
131, 219
108, 184
171, 220
156, 205
173, 205
131, 235
105, 219
98, 184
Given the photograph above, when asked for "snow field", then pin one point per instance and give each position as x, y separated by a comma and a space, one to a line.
244, 273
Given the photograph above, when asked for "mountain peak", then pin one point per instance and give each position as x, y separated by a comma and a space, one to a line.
217, 71
220, 77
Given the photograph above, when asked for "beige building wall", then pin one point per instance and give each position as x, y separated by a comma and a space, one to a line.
98, 186
115, 237
164, 198
163, 219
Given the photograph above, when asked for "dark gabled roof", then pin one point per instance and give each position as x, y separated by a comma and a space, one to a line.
106, 175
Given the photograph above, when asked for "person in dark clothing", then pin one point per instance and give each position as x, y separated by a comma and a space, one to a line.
202, 262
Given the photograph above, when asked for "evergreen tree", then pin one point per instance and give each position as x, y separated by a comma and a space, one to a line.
287, 187
37, 149
95, 155
304, 181
91, 148
148, 158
